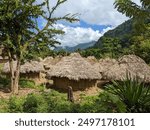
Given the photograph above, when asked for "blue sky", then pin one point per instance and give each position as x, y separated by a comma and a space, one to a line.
93, 26
96, 18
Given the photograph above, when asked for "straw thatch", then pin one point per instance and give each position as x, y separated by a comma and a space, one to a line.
74, 67
48, 62
104, 64
92, 60
32, 66
129, 64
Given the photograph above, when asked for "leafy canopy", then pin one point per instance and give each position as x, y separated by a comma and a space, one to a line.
135, 11
19, 26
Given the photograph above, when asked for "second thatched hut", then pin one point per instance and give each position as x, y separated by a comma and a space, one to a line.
129, 65
74, 71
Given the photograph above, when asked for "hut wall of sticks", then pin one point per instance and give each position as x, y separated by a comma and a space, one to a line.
83, 84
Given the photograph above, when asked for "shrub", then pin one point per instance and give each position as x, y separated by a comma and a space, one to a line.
104, 102
3, 106
134, 94
34, 103
4, 81
24, 83
87, 104
108, 102
57, 102
15, 105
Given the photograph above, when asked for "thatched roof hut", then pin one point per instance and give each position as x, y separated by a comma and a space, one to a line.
74, 71
129, 64
31, 70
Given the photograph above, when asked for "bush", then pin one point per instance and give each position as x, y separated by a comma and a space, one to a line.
57, 102
105, 102
108, 102
15, 105
35, 103
4, 81
134, 94
24, 83
3, 106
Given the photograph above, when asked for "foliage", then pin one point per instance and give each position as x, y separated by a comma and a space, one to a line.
24, 83
91, 52
3, 106
105, 102
47, 102
135, 94
34, 103
111, 47
15, 104
127, 42
139, 13
4, 81
57, 102
20, 30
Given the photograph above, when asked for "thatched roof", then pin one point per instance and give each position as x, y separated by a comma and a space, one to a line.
92, 60
128, 64
32, 66
104, 64
48, 62
74, 67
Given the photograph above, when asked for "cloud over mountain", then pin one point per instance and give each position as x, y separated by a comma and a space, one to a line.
75, 35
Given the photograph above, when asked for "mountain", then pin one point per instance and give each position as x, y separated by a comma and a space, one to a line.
122, 32
81, 46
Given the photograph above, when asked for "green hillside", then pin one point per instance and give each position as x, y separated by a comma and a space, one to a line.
121, 32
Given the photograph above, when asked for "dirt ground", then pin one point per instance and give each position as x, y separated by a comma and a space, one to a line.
25, 91
22, 92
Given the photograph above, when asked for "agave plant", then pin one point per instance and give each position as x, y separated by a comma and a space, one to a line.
135, 94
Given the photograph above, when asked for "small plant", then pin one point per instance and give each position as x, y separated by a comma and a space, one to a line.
35, 103
3, 106
109, 103
24, 83
15, 105
135, 94
4, 81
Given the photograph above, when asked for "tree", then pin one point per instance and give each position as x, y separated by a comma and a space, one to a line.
111, 47
19, 30
140, 14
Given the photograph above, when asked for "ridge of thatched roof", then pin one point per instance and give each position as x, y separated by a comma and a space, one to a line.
130, 59
32, 66
129, 64
74, 67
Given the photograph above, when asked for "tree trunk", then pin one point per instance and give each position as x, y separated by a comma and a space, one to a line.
17, 77
12, 76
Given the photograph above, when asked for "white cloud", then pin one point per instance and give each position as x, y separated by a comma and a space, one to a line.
76, 35
96, 12
100, 12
